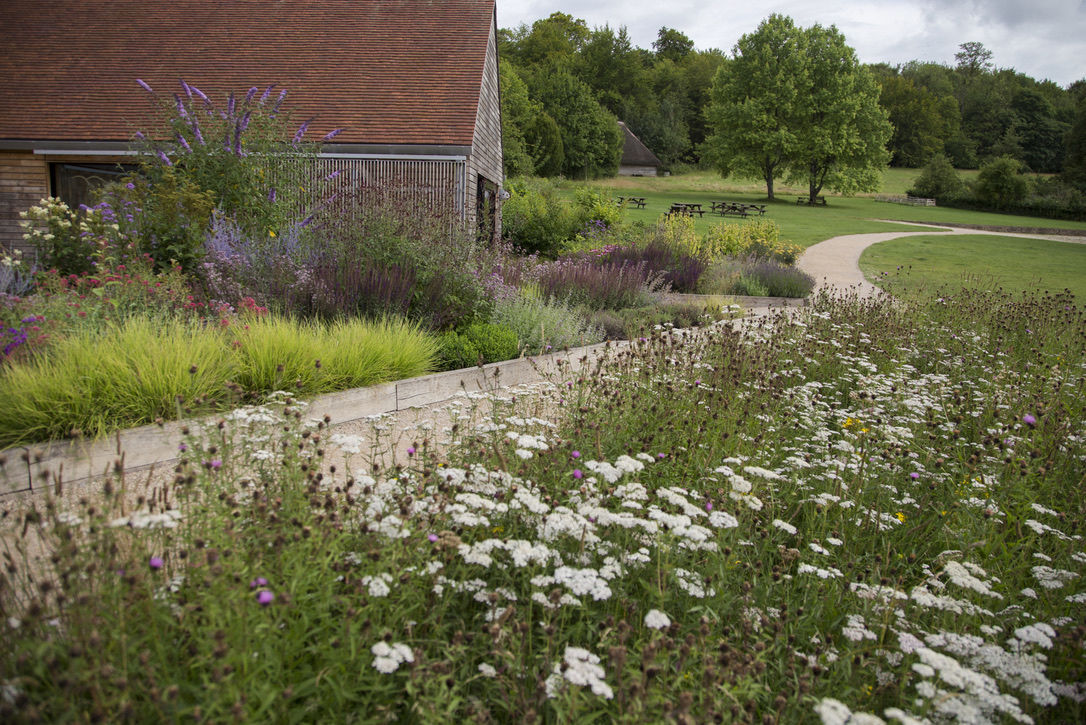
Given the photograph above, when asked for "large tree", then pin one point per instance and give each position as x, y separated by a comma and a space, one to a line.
798, 101
842, 130
755, 102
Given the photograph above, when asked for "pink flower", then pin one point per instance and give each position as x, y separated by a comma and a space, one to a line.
155, 562
1029, 420
264, 597
577, 473
575, 454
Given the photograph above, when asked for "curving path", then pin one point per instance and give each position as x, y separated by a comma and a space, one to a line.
836, 261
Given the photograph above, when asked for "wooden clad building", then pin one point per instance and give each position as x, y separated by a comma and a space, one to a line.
413, 83
637, 158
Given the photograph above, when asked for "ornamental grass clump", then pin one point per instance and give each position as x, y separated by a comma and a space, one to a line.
868, 509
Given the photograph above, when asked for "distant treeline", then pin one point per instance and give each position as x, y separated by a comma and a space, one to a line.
564, 85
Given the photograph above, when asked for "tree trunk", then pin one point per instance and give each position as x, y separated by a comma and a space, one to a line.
769, 186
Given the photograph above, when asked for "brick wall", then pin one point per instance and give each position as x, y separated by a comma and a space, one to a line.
24, 180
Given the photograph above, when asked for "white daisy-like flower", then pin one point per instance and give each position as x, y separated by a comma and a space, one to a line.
387, 658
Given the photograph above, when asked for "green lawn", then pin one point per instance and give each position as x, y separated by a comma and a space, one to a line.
801, 225
921, 265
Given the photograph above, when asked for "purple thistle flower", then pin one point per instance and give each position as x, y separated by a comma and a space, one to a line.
332, 134
165, 159
432, 538
155, 562
258, 582
1029, 420
144, 86
301, 131
914, 475
249, 95
708, 505
410, 450
264, 597
267, 92
575, 454
577, 473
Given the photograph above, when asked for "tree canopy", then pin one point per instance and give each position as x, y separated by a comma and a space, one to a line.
797, 101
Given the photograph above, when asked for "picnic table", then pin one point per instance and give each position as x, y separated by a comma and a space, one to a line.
806, 200
684, 209
637, 201
735, 208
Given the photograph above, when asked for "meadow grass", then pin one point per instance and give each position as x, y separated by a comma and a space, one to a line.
923, 265
800, 225
873, 506
92, 383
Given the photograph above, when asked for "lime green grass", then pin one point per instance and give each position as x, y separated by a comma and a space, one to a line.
922, 265
800, 225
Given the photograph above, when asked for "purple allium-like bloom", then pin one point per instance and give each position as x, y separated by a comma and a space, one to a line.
577, 473
144, 86
264, 597
1029, 420
155, 562
332, 134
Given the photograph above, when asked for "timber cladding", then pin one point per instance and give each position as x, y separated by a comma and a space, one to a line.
24, 181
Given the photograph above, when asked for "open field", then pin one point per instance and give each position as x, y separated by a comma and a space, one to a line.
801, 225
915, 265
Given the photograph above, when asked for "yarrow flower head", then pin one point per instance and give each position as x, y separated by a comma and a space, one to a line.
655, 619
387, 657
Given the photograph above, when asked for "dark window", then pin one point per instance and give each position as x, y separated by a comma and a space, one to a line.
75, 184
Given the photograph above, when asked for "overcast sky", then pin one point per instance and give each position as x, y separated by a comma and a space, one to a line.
1041, 38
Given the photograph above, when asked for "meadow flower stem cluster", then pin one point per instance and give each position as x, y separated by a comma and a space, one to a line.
867, 510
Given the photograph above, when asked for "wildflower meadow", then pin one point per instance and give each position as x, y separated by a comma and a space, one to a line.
868, 510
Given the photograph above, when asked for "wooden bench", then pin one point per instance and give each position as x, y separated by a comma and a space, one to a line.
735, 208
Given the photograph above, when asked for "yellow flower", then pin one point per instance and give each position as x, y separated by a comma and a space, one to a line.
271, 233
900, 517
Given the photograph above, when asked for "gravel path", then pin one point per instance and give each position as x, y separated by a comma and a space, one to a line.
836, 261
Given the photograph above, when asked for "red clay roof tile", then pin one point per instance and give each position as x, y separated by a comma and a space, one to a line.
388, 71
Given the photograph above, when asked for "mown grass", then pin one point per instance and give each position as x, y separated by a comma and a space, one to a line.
92, 383
799, 224
873, 507
923, 264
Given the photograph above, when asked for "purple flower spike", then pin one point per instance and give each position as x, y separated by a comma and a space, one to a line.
155, 562
301, 132
249, 96
264, 597
180, 106
1029, 420
230, 105
271, 194
184, 144
306, 222
185, 88
333, 175
279, 101
267, 92
332, 134
244, 122
196, 131
577, 473
144, 86
165, 159
201, 95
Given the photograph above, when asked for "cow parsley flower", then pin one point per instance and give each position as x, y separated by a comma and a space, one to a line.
655, 619
387, 658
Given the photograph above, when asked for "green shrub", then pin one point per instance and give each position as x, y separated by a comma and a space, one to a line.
755, 237
535, 219
1000, 182
756, 277
938, 180
542, 326
478, 344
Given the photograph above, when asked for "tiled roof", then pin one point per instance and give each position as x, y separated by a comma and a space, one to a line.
634, 151
389, 71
